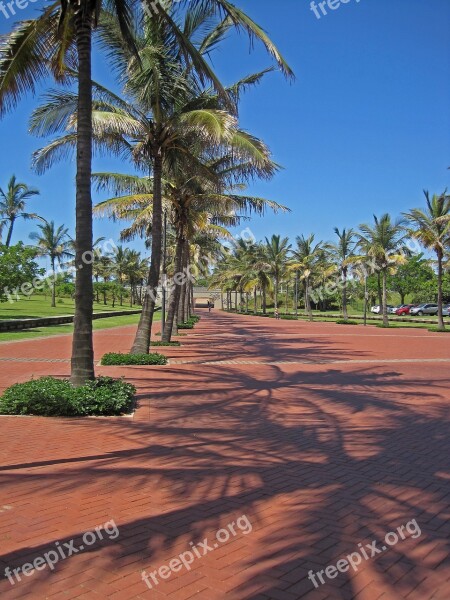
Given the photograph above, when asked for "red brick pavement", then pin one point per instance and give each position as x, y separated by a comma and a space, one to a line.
331, 449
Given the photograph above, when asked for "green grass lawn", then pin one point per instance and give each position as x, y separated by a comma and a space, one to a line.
39, 306
67, 329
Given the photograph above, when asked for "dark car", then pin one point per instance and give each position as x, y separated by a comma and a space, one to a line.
404, 309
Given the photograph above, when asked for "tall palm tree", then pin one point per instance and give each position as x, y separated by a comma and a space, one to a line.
383, 243
276, 254
12, 205
61, 36
304, 259
341, 252
432, 228
54, 243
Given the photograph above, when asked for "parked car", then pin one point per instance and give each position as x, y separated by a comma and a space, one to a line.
377, 309
424, 309
446, 310
404, 309
392, 310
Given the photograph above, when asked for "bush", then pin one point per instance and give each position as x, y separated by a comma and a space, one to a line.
117, 358
289, 317
49, 397
436, 330
186, 325
346, 322
165, 344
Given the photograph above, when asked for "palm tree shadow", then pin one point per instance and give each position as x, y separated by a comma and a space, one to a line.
318, 461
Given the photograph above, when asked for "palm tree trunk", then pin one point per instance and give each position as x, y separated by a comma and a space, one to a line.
82, 361
255, 301
235, 300
264, 300
344, 294
380, 291
308, 300
53, 283
441, 325
10, 230
384, 303
141, 344
191, 288
176, 291
275, 294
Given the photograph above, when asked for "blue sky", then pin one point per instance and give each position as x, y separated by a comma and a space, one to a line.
363, 129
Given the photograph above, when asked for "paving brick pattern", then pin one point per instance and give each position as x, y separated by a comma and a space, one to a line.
323, 436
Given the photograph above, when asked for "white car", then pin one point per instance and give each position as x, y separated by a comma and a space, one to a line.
377, 309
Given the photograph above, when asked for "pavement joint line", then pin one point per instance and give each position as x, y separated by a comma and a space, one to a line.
310, 362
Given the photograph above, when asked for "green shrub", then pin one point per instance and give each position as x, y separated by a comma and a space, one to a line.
289, 317
186, 325
436, 330
346, 322
49, 397
165, 344
117, 358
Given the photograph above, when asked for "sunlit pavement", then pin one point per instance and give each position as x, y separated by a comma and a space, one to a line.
315, 440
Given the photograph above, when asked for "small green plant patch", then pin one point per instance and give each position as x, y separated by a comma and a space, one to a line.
117, 358
346, 322
165, 344
436, 330
186, 325
289, 317
52, 397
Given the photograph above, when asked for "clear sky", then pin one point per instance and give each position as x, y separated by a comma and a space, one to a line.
363, 129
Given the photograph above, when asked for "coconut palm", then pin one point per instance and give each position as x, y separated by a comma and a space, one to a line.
431, 227
54, 243
304, 259
276, 252
62, 36
341, 253
12, 205
382, 243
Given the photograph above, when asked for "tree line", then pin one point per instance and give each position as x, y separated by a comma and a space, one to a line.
378, 253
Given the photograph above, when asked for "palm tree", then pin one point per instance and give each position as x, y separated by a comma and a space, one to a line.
432, 228
304, 259
62, 36
341, 252
276, 252
12, 205
382, 243
54, 243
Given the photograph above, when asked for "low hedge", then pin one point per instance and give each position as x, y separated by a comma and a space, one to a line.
165, 344
346, 322
437, 330
117, 358
186, 325
52, 397
289, 317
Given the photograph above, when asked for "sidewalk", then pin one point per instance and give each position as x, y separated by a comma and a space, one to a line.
322, 436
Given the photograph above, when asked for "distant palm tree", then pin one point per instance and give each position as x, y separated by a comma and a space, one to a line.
276, 252
341, 252
382, 243
432, 228
12, 205
54, 243
305, 257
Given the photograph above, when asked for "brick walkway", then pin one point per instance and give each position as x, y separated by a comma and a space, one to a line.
323, 436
